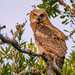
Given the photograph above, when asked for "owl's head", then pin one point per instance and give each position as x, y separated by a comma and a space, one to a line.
38, 16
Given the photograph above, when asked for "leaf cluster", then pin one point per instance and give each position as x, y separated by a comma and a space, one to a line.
13, 62
73, 3
69, 65
51, 7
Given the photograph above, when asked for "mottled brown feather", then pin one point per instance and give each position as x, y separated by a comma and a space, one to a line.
48, 38
50, 41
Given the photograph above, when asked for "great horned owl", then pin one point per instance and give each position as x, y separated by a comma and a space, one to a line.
48, 38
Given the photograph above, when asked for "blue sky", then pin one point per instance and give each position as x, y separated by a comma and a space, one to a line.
13, 11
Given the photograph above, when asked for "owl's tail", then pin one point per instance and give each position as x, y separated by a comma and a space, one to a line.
57, 60
59, 63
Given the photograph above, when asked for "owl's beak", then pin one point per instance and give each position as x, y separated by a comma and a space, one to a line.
38, 18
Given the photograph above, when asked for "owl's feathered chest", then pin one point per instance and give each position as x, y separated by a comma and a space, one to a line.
35, 24
43, 31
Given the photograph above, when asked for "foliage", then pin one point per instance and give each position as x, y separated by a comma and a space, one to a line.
17, 61
69, 65
50, 7
12, 61
73, 3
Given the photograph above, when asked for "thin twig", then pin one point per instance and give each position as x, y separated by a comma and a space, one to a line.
34, 6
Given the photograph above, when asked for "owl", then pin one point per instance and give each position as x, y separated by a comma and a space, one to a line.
48, 38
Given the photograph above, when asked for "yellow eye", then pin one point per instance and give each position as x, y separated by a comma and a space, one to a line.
42, 15
34, 15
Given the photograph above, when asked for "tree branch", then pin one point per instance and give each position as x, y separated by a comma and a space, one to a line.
2, 27
67, 7
28, 51
15, 45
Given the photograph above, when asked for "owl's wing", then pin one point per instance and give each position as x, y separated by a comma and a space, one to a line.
49, 41
57, 32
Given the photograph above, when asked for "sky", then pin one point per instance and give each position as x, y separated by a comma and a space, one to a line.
14, 11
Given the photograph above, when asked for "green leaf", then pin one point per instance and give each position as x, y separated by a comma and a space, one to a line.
73, 46
35, 49
73, 68
72, 33
53, 15
73, 41
41, 6
3, 49
7, 50
20, 35
40, 61
0, 71
31, 40
2, 53
65, 9
22, 43
72, 21
62, 16
73, 5
71, 1
66, 30
43, 63
64, 21
58, 11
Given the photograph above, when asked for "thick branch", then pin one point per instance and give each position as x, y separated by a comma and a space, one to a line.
8, 41
67, 7
28, 51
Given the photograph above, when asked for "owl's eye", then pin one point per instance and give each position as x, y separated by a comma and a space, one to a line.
42, 15
34, 15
